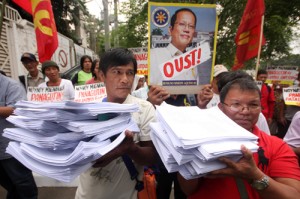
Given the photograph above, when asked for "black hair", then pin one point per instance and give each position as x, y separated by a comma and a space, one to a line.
94, 66
117, 57
230, 76
174, 16
262, 71
240, 83
83, 58
3, 73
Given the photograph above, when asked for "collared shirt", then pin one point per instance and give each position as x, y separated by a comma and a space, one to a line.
10, 92
34, 82
113, 180
161, 55
292, 136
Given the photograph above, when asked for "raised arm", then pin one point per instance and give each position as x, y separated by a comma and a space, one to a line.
204, 96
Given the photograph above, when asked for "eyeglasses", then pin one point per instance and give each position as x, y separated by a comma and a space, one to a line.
236, 107
184, 25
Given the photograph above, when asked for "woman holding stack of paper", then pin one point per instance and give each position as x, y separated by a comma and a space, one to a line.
272, 172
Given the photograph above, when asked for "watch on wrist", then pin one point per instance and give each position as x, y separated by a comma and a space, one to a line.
261, 184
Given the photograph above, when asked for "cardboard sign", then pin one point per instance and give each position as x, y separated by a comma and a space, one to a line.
291, 96
90, 93
141, 56
282, 74
185, 62
181, 52
47, 94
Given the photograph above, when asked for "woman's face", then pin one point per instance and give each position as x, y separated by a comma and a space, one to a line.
87, 65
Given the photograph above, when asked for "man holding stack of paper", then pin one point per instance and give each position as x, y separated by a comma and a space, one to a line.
110, 178
272, 172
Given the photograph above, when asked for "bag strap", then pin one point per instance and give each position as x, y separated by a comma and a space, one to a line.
131, 169
242, 188
133, 172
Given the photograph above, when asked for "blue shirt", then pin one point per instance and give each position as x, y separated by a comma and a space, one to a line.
11, 91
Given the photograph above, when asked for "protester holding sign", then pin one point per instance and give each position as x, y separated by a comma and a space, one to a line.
51, 70
272, 172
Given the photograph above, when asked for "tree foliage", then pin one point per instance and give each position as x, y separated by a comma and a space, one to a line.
280, 17
66, 14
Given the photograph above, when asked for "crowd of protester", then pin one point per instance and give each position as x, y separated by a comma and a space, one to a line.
262, 112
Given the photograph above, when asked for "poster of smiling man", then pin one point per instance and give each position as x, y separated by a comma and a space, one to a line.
182, 45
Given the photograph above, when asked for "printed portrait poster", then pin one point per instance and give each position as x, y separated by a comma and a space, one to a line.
181, 46
282, 74
46, 94
141, 56
291, 96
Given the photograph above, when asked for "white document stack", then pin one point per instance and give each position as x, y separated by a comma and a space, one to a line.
190, 140
61, 140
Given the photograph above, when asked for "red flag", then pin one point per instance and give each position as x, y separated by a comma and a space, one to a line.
44, 25
247, 37
25, 5
45, 29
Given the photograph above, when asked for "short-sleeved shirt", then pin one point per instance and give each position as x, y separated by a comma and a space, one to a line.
279, 162
69, 92
83, 77
292, 136
11, 91
34, 82
113, 181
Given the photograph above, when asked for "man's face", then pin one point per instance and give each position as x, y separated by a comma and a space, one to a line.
183, 30
118, 81
30, 65
52, 73
246, 118
262, 77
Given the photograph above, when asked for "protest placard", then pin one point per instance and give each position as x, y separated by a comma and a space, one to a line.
141, 56
46, 94
282, 74
181, 45
90, 93
291, 96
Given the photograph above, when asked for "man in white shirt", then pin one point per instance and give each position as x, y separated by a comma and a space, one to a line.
109, 177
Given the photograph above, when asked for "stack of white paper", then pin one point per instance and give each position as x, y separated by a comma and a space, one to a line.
61, 140
190, 140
